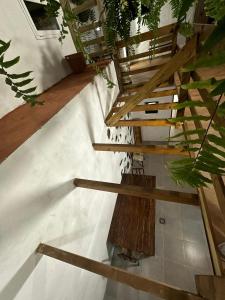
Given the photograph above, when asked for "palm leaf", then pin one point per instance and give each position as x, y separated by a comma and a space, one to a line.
189, 132
189, 118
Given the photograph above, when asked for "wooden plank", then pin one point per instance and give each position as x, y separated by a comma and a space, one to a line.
137, 135
211, 287
98, 40
154, 149
158, 50
117, 274
157, 94
149, 107
143, 70
138, 87
178, 60
138, 191
89, 27
85, 6
145, 122
136, 39
136, 238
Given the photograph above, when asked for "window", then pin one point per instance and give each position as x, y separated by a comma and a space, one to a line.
41, 24
151, 111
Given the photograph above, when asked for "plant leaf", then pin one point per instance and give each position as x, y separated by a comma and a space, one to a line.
220, 89
216, 140
216, 36
8, 81
201, 84
28, 91
24, 82
190, 103
10, 63
189, 118
189, 132
22, 75
4, 47
206, 61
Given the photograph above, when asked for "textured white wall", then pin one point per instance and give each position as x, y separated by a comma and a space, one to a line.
39, 204
42, 56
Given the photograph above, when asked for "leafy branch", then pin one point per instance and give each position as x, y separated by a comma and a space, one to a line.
11, 79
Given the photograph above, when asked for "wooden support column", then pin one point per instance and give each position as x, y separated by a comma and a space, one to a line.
157, 288
154, 149
138, 191
211, 287
145, 122
178, 60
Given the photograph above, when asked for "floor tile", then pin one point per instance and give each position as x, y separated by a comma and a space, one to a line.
174, 250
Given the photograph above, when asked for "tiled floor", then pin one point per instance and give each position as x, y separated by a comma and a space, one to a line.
181, 249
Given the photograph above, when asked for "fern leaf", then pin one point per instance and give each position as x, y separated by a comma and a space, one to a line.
216, 140
189, 118
189, 132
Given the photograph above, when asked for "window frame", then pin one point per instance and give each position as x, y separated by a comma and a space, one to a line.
39, 34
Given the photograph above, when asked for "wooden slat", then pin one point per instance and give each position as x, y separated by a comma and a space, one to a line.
136, 39
117, 274
157, 94
149, 107
158, 50
179, 59
154, 149
86, 5
144, 122
89, 27
138, 191
210, 287
98, 40
137, 135
143, 70
138, 87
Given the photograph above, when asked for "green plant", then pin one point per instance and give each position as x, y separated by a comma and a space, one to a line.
209, 147
17, 82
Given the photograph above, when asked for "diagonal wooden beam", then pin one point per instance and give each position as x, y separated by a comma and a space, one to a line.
154, 149
138, 191
143, 70
179, 59
117, 274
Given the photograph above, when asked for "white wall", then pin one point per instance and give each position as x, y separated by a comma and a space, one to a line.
38, 202
42, 56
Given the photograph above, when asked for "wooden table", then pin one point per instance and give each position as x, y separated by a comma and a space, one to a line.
133, 222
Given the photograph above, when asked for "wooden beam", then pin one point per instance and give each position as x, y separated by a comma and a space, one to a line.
136, 39
85, 6
211, 287
157, 94
143, 70
158, 50
89, 27
149, 107
117, 274
138, 191
154, 149
178, 60
138, 87
145, 122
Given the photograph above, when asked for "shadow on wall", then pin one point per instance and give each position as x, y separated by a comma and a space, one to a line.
15, 284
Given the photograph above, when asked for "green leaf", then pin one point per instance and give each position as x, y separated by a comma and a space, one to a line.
208, 168
24, 82
191, 142
221, 110
220, 89
22, 75
14, 88
189, 132
201, 84
221, 129
207, 61
213, 149
4, 47
189, 118
190, 103
18, 95
8, 81
216, 36
216, 140
10, 63
28, 91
